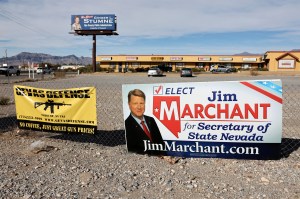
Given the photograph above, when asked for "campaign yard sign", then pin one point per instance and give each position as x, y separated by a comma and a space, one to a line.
93, 22
70, 110
230, 119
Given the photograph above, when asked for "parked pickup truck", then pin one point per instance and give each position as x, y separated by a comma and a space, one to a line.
9, 70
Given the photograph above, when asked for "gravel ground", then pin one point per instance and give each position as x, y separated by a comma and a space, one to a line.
46, 165
40, 166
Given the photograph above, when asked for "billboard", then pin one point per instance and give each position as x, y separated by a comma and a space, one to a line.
56, 110
234, 119
93, 22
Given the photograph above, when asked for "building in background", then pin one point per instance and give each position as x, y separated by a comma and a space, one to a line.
282, 60
121, 63
271, 60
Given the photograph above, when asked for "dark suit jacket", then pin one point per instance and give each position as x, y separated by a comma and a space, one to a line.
135, 135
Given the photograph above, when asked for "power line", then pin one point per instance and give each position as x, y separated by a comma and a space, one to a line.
20, 21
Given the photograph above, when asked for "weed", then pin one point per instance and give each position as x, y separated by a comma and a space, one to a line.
4, 100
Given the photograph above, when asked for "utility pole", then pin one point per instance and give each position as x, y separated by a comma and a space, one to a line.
94, 54
5, 56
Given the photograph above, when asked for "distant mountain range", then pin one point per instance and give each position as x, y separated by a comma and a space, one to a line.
25, 57
247, 54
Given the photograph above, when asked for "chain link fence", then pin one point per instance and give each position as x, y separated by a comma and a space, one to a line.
110, 127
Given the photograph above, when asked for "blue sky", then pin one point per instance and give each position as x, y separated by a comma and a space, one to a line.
195, 27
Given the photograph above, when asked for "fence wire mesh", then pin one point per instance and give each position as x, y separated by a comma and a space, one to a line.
110, 126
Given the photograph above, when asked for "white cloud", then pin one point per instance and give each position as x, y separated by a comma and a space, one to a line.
46, 24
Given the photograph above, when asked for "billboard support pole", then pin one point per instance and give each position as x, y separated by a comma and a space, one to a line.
107, 29
94, 54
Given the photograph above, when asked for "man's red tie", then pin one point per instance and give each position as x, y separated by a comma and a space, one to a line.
146, 130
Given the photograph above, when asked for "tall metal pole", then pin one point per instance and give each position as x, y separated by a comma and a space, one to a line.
94, 53
6, 56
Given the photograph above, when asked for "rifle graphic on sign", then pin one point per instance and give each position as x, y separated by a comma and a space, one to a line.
51, 104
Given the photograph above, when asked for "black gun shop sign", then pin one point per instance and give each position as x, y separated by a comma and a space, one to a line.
63, 110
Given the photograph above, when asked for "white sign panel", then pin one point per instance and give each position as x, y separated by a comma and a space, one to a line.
106, 58
176, 58
131, 58
208, 119
225, 58
204, 58
286, 63
250, 59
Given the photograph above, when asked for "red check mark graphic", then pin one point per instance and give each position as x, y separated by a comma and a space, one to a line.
158, 90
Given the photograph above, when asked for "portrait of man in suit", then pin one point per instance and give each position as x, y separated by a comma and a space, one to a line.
76, 25
141, 130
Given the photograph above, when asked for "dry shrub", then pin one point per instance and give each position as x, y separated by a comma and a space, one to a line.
4, 100
59, 74
253, 72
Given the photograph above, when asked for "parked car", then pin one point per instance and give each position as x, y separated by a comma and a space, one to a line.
220, 68
9, 70
233, 70
164, 68
155, 72
41, 70
186, 72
